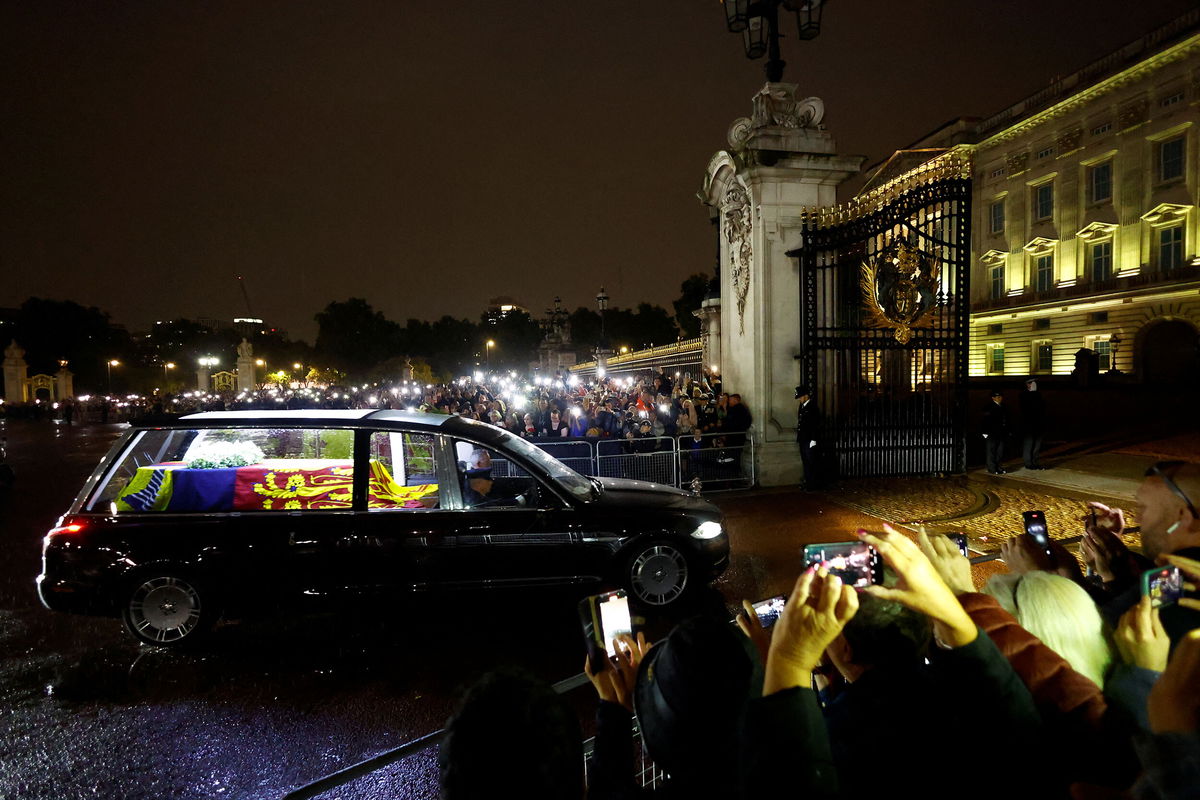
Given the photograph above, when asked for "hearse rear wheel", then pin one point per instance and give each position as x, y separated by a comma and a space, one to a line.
657, 573
167, 610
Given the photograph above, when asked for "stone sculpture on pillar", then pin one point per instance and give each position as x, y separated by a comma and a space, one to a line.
64, 381
16, 372
247, 380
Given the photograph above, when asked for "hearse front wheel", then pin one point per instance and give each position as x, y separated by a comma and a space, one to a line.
167, 610
657, 573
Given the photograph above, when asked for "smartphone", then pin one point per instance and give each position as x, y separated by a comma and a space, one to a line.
1035, 526
1164, 585
856, 563
769, 610
960, 539
604, 618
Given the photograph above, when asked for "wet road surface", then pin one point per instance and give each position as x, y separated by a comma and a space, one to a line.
273, 703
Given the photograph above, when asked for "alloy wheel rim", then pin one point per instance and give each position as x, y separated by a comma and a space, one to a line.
659, 575
165, 609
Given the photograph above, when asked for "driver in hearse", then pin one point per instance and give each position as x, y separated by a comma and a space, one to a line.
478, 483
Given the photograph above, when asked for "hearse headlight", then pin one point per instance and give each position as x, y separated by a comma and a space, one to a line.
707, 530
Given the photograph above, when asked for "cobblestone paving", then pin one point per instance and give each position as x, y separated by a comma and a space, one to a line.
987, 513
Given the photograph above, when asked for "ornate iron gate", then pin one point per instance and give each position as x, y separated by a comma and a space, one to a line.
884, 321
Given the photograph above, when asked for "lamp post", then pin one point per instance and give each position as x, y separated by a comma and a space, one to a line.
110, 364
166, 366
602, 304
488, 352
758, 22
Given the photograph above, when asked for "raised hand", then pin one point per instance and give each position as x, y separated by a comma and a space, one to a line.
1174, 704
751, 625
815, 613
1140, 637
951, 565
614, 682
1022, 554
919, 587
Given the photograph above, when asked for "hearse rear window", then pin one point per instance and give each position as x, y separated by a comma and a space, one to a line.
242, 469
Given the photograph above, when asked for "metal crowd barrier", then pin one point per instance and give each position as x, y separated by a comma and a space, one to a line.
720, 461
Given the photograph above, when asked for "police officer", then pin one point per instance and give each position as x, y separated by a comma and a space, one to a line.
995, 428
808, 431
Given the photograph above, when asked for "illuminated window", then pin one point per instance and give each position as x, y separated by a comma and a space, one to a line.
1043, 355
1170, 248
1099, 183
1043, 201
1171, 159
997, 281
1103, 350
1043, 273
997, 216
995, 358
1100, 261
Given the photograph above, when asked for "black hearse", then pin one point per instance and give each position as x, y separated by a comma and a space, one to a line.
217, 513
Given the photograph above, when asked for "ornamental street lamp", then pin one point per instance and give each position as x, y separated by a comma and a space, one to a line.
168, 365
488, 348
110, 364
758, 22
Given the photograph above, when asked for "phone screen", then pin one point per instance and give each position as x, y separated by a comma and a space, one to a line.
856, 563
1035, 526
769, 610
1164, 585
604, 617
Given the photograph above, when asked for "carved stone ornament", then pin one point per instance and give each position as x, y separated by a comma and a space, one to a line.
739, 132
1068, 142
14, 351
776, 106
900, 287
1016, 162
1133, 114
245, 349
736, 230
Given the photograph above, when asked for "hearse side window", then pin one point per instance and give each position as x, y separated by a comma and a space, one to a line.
490, 479
232, 469
403, 472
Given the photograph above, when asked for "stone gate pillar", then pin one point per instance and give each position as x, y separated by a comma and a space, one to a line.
15, 374
64, 382
781, 160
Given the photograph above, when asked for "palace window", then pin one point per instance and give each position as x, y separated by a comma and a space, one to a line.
1046, 152
1043, 273
995, 358
996, 279
1099, 183
1171, 159
1043, 355
997, 216
1171, 100
1043, 201
1100, 261
1101, 345
1102, 129
995, 328
1170, 248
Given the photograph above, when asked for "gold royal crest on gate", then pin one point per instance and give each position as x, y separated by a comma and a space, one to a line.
900, 287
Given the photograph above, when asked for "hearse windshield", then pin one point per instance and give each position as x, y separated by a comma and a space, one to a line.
560, 473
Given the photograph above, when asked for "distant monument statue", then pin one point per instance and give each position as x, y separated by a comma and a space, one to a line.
247, 380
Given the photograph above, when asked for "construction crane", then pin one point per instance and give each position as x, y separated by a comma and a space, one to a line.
245, 296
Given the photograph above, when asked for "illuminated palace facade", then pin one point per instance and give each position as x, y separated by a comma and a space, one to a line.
1085, 222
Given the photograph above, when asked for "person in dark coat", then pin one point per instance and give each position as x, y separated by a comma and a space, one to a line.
1033, 424
808, 433
737, 422
995, 428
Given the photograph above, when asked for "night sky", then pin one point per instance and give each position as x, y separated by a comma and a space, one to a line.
430, 155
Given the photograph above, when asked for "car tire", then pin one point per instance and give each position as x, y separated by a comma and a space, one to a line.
168, 609
657, 573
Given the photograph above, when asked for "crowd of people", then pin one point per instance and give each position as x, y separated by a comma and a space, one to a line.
643, 410
1048, 681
